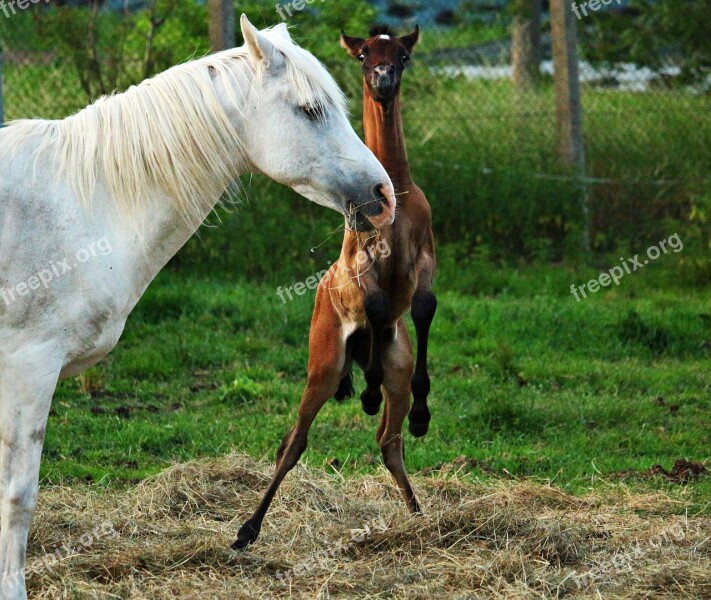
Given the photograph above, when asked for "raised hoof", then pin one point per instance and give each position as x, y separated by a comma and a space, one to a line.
247, 535
371, 401
419, 430
419, 422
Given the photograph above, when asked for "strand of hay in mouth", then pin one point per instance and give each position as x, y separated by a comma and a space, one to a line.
327, 536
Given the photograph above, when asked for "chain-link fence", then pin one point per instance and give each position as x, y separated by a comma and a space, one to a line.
486, 151
646, 146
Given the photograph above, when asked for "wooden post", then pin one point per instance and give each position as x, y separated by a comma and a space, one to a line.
569, 110
222, 24
526, 43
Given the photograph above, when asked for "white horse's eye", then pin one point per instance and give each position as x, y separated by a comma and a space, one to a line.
313, 112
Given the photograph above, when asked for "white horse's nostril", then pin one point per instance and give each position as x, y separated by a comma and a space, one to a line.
378, 192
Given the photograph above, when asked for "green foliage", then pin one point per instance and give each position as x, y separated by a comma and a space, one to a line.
662, 30
485, 156
112, 50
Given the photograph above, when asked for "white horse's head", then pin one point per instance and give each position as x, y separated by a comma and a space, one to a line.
296, 131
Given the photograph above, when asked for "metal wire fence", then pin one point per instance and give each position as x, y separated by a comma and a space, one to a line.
486, 151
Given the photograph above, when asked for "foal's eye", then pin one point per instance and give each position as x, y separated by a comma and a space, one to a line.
361, 58
313, 112
405, 58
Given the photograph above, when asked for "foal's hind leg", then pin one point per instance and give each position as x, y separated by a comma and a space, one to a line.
326, 361
398, 371
27, 383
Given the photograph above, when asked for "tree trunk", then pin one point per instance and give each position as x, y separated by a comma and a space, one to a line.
526, 43
569, 110
222, 24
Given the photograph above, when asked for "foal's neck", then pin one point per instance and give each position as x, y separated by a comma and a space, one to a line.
384, 135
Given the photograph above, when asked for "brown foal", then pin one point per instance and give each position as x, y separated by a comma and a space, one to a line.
361, 301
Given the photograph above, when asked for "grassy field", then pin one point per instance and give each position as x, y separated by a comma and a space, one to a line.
527, 382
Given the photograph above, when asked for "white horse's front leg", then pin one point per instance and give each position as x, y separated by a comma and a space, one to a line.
27, 383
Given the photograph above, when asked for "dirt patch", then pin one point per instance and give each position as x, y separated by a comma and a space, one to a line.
683, 471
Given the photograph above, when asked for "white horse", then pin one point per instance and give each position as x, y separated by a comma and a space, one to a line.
93, 207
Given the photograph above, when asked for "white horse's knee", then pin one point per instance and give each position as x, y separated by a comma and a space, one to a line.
19, 502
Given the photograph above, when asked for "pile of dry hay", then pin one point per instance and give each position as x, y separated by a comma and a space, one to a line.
169, 537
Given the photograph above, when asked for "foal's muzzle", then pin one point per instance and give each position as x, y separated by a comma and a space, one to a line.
385, 81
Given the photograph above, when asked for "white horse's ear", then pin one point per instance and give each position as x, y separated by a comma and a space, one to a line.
260, 48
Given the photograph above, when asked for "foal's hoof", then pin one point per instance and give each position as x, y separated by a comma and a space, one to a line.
419, 422
247, 535
419, 429
371, 401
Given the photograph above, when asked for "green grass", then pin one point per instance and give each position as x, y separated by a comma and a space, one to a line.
525, 380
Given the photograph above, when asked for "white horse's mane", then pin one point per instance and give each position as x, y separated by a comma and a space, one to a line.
169, 132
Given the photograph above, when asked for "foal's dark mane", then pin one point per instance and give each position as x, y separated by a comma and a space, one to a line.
380, 29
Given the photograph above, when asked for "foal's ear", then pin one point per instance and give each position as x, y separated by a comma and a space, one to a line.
260, 48
411, 40
353, 45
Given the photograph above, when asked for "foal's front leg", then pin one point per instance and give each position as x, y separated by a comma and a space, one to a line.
327, 350
26, 387
424, 306
377, 311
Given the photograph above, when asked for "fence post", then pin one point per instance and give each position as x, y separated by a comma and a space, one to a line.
222, 24
569, 110
526, 43
2, 102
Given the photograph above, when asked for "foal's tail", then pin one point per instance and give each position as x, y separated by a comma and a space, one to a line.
345, 388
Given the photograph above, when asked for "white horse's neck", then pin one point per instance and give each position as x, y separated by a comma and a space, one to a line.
142, 242
161, 223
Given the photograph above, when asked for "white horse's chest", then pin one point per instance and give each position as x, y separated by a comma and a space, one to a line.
66, 279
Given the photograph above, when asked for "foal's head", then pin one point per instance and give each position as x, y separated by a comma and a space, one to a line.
384, 58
